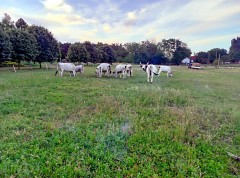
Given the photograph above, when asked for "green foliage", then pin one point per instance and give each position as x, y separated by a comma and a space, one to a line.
106, 127
64, 49
107, 53
24, 45
77, 52
180, 53
21, 24
216, 53
234, 51
202, 57
5, 46
7, 23
49, 49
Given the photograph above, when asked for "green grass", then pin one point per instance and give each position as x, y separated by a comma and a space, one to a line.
181, 126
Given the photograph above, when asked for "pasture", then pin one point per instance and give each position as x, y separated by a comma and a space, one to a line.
180, 126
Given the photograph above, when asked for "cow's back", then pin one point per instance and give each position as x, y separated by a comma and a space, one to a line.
67, 66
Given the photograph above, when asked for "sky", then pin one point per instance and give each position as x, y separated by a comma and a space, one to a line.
201, 24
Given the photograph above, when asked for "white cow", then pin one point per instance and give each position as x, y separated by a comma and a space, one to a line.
166, 69
103, 68
150, 69
129, 70
69, 67
80, 69
120, 69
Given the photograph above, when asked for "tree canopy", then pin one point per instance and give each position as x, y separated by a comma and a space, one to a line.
5, 46
234, 51
19, 41
49, 49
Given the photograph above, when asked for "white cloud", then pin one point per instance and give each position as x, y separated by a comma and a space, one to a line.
194, 22
57, 5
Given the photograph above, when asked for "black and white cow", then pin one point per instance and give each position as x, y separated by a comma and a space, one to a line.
103, 68
120, 69
150, 69
129, 70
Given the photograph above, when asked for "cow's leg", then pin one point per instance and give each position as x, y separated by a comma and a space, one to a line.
148, 77
61, 73
151, 79
74, 73
100, 72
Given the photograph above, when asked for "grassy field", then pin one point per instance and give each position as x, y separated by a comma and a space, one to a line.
85, 126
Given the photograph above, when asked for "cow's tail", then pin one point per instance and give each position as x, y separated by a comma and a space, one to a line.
56, 70
110, 70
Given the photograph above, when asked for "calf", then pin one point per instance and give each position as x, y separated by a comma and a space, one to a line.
150, 69
103, 68
166, 69
120, 69
80, 69
129, 70
69, 67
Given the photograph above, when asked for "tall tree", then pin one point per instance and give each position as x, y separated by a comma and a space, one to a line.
49, 49
234, 51
5, 46
215, 53
21, 24
202, 57
64, 49
109, 55
77, 52
93, 51
170, 46
7, 22
24, 46
180, 53
120, 50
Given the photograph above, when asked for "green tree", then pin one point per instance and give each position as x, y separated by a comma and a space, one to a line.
77, 52
21, 24
215, 53
24, 46
107, 53
180, 53
93, 51
121, 52
202, 57
234, 51
173, 49
49, 48
133, 52
5, 46
64, 49
7, 22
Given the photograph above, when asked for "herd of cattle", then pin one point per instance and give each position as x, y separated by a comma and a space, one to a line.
123, 70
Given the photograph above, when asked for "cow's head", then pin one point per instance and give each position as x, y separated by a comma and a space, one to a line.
97, 71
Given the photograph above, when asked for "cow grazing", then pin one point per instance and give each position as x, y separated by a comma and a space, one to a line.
103, 68
80, 69
150, 69
120, 69
129, 70
166, 69
69, 67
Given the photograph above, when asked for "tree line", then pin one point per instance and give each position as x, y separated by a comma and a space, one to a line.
22, 42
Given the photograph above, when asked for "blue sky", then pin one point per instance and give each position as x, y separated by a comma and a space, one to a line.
202, 24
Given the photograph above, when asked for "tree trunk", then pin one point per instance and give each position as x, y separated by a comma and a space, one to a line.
40, 65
